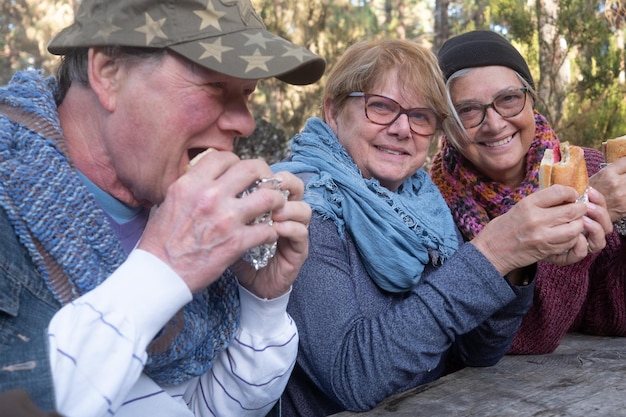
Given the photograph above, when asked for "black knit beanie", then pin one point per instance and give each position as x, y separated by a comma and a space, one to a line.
481, 48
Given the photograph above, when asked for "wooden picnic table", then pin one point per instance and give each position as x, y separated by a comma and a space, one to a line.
584, 377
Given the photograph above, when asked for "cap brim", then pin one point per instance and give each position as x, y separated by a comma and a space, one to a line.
254, 54
249, 54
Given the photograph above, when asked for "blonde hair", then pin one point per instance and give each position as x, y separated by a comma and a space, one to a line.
365, 64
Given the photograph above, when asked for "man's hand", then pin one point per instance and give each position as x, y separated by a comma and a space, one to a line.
610, 182
202, 226
291, 224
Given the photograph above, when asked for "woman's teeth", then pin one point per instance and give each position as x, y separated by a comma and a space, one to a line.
499, 143
389, 151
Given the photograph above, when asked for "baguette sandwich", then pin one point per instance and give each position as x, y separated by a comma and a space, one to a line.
614, 149
564, 165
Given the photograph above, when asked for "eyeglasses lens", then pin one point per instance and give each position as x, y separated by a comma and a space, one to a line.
509, 104
384, 111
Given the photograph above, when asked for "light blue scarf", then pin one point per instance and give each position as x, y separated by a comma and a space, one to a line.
396, 233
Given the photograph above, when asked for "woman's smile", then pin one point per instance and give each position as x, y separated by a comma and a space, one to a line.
501, 142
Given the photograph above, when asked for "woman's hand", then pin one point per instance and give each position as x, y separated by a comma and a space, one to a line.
597, 223
547, 225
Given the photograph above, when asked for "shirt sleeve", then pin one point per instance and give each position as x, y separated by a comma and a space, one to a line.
98, 346
98, 342
250, 376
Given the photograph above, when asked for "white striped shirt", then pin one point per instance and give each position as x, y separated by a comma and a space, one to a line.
98, 349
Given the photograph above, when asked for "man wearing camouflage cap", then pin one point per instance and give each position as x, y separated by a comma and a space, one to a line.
122, 285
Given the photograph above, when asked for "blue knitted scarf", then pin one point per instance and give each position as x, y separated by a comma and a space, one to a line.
71, 242
396, 233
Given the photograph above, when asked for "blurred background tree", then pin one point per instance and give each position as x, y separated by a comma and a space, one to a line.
575, 50
26, 26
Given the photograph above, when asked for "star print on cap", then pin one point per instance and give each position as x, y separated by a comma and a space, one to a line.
226, 36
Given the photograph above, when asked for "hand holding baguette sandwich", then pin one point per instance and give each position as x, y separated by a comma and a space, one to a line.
565, 165
611, 180
547, 225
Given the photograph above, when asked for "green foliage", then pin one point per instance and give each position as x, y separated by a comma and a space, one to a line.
518, 20
594, 101
580, 19
597, 59
593, 120
25, 29
596, 105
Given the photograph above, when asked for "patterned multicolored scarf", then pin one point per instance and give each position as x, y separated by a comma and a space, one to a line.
71, 242
475, 199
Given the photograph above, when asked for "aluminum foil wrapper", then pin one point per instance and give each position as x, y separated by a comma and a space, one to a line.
259, 256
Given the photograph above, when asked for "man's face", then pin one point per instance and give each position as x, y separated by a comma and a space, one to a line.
165, 114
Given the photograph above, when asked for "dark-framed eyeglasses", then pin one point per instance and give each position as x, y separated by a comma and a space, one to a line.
508, 104
384, 111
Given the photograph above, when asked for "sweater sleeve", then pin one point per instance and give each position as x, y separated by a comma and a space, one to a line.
360, 344
560, 293
604, 312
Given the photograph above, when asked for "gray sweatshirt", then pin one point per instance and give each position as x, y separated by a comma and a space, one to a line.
359, 344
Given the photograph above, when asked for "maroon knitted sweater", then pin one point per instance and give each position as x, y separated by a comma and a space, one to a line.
566, 299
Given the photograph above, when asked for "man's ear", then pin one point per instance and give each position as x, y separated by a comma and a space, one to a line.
104, 76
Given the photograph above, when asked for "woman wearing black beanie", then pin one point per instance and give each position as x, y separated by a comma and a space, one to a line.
489, 161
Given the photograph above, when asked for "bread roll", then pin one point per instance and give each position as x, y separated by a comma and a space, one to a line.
614, 149
565, 165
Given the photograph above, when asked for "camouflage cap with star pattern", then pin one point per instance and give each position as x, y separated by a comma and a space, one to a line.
226, 36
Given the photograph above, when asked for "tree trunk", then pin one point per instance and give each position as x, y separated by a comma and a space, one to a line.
554, 65
442, 24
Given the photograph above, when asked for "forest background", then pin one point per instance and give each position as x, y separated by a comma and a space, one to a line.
575, 50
